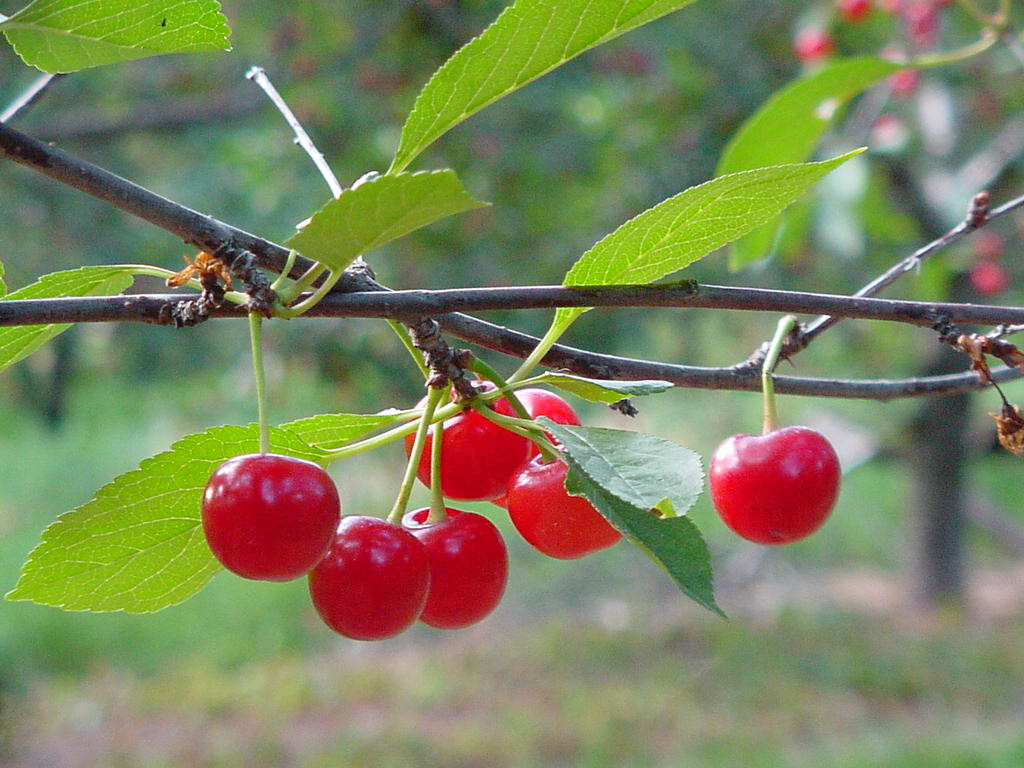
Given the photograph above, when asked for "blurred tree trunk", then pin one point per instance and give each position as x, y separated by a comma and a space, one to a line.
937, 461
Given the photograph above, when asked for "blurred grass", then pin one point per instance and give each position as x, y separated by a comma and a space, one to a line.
597, 662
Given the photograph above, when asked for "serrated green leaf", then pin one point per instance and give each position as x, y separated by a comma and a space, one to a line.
68, 35
332, 430
528, 40
692, 224
604, 391
138, 546
674, 543
378, 211
640, 469
18, 342
788, 128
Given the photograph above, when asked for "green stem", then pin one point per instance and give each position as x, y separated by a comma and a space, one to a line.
554, 333
982, 44
405, 490
437, 512
485, 370
288, 294
256, 337
310, 302
403, 336
782, 331
396, 433
278, 284
526, 428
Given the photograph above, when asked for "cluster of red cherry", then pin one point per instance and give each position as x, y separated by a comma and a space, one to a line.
920, 19
276, 518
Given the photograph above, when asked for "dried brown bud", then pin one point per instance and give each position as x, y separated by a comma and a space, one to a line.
1010, 429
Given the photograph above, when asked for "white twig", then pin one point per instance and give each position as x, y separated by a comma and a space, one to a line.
257, 75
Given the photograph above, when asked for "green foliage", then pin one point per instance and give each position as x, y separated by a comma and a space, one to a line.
627, 475
528, 40
378, 211
603, 390
18, 342
690, 225
138, 546
3, 285
788, 128
68, 35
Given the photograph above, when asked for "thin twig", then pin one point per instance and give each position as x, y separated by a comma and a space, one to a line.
259, 76
29, 97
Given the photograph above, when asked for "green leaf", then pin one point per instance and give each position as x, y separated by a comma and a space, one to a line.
378, 211
628, 475
332, 430
690, 225
643, 470
18, 342
3, 285
138, 546
788, 128
68, 35
529, 39
602, 390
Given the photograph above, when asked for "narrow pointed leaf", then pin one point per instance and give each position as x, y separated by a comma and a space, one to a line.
604, 391
68, 35
3, 285
788, 129
529, 39
378, 211
332, 430
138, 546
692, 224
18, 342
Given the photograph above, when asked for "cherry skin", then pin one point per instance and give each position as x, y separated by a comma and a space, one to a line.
268, 516
774, 488
468, 566
477, 456
989, 278
559, 525
854, 11
813, 45
373, 582
540, 402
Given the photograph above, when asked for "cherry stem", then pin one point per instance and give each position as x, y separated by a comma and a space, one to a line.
782, 331
525, 427
485, 370
551, 337
403, 335
405, 490
438, 513
256, 338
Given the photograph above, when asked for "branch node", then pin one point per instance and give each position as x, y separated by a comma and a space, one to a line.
978, 210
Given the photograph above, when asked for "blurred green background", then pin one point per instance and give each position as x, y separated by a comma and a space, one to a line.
829, 657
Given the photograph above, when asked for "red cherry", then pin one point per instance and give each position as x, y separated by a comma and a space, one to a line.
774, 488
269, 517
989, 278
468, 566
477, 456
921, 19
813, 45
540, 402
904, 82
559, 525
373, 582
853, 11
